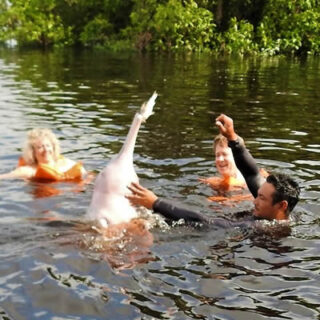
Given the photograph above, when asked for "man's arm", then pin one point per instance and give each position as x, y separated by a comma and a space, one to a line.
242, 157
171, 212
144, 197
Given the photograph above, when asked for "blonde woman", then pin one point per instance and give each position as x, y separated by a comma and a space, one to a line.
41, 160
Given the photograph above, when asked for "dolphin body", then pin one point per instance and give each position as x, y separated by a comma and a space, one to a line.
108, 204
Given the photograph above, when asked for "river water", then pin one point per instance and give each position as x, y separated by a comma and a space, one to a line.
52, 267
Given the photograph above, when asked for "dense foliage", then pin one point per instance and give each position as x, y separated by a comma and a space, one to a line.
267, 26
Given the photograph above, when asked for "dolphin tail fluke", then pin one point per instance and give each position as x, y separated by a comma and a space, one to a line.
147, 107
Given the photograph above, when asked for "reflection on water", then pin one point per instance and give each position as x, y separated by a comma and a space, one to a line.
54, 265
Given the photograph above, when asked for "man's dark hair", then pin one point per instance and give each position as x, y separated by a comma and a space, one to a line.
286, 189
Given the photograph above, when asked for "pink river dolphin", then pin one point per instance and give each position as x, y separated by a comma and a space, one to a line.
108, 204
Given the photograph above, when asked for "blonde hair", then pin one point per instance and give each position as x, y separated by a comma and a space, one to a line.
223, 141
32, 137
219, 140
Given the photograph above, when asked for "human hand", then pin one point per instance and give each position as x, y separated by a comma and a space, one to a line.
225, 125
141, 196
209, 181
203, 180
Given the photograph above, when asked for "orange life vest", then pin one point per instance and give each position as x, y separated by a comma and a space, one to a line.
47, 172
226, 183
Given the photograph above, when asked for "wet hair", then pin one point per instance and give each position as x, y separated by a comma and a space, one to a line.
285, 189
219, 140
32, 137
222, 141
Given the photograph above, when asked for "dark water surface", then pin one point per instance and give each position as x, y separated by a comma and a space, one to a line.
53, 269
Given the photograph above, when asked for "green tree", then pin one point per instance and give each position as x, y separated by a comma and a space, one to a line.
239, 38
290, 27
95, 21
34, 22
173, 24
184, 25
139, 31
269, 26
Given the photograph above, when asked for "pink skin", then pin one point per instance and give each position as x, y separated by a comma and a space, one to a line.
109, 204
224, 161
43, 150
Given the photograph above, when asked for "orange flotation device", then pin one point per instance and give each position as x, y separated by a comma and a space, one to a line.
231, 184
236, 198
225, 183
47, 172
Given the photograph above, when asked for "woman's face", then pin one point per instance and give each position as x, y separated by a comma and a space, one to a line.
43, 150
224, 161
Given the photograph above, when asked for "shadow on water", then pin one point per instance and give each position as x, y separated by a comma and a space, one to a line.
56, 266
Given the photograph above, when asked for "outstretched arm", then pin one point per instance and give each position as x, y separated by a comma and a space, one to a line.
144, 197
24, 172
141, 196
242, 157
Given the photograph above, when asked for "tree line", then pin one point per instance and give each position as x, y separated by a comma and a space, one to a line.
231, 26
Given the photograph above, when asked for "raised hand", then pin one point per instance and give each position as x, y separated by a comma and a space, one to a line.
225, 125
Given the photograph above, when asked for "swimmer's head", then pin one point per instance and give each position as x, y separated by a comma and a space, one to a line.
221, 140
223, 157
285, 189
37, 140
276, 197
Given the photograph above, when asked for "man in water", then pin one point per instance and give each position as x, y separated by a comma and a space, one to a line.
274, 197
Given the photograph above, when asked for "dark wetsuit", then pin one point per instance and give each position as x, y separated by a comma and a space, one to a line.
247, 166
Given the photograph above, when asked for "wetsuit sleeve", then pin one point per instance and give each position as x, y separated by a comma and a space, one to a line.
247, 166
171, 212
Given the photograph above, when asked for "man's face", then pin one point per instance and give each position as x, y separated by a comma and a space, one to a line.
263, 206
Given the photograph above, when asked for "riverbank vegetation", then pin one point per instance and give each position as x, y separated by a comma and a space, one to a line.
250, 26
